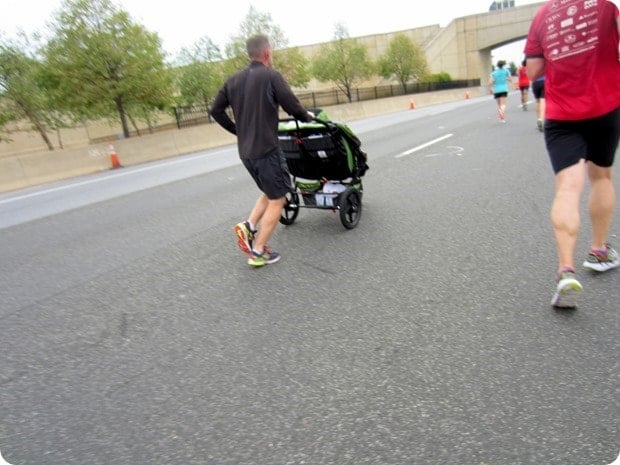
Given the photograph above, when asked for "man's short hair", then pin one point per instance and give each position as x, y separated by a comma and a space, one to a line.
256, 44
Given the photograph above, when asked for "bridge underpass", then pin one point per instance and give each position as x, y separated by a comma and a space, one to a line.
464, 47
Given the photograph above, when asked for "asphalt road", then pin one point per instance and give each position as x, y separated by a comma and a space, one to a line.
133, 331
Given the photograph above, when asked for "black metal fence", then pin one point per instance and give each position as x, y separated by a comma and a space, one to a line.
199, 114
192, 116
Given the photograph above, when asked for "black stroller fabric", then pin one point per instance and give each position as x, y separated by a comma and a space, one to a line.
322, 150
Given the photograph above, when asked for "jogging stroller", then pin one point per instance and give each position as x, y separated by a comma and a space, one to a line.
327, 165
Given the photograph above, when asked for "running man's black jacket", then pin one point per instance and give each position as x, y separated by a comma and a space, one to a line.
255, 95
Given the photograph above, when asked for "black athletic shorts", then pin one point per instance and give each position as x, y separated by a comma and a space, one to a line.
270, 174
500, 94
595, 140
538, 89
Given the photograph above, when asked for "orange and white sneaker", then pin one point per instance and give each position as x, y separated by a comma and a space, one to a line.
245, 237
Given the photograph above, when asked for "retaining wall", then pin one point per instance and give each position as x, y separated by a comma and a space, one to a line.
30, 169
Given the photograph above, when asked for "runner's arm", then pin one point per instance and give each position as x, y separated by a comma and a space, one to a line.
535, 67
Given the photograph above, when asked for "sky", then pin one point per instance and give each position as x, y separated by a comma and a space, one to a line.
181, 23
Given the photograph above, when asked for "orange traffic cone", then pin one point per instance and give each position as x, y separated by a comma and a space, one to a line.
114, 160
411, 104
466, 95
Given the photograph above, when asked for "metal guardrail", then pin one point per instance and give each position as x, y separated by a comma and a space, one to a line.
199, 114
192, 115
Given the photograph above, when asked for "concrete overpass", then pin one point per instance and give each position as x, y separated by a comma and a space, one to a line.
463, 47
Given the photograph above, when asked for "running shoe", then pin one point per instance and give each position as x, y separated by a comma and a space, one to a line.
602, 260
501, 112
245, 237
266, 258
539, 125
567, 290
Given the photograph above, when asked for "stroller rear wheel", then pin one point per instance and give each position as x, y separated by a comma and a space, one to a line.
350, 206
291, 209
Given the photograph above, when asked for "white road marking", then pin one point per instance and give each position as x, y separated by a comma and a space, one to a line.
116, 174
423, 146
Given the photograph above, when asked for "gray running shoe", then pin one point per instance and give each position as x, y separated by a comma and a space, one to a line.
567, 290
602, 260
266, 258
540, 125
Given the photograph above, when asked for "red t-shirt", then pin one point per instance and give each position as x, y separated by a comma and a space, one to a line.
579, 42
523, 80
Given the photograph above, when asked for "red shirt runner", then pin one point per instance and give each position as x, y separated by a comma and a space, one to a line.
579, 41
523, 79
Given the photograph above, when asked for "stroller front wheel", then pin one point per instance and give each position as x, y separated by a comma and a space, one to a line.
291, 209
350, 206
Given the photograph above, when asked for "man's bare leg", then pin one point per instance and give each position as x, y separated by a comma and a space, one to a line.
271, 211
601, 204
565, 217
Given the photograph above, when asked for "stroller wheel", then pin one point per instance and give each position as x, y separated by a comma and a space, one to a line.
291, 209
350, 206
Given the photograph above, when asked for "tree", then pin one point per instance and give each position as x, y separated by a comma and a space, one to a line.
438, 77
199, 72
513, 68
343, 61
403, 60
22, 95
255, 22
290, 62
105, 64
293, 65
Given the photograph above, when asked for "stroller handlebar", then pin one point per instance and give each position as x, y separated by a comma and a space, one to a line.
326, 123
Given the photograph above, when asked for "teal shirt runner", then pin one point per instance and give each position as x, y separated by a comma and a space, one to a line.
500, 80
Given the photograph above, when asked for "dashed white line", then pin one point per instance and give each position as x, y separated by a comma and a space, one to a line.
423, 146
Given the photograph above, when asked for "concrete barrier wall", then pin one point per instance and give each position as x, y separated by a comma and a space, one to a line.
30, 169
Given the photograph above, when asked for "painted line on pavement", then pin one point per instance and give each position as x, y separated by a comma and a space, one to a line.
116, 174
423, 146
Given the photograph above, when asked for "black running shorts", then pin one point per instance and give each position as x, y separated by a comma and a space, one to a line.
594, 140
270, 174
538, 89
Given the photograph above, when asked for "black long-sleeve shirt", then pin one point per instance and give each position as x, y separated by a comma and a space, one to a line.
255, 95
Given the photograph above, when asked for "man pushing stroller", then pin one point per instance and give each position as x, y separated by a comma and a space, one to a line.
255, 95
